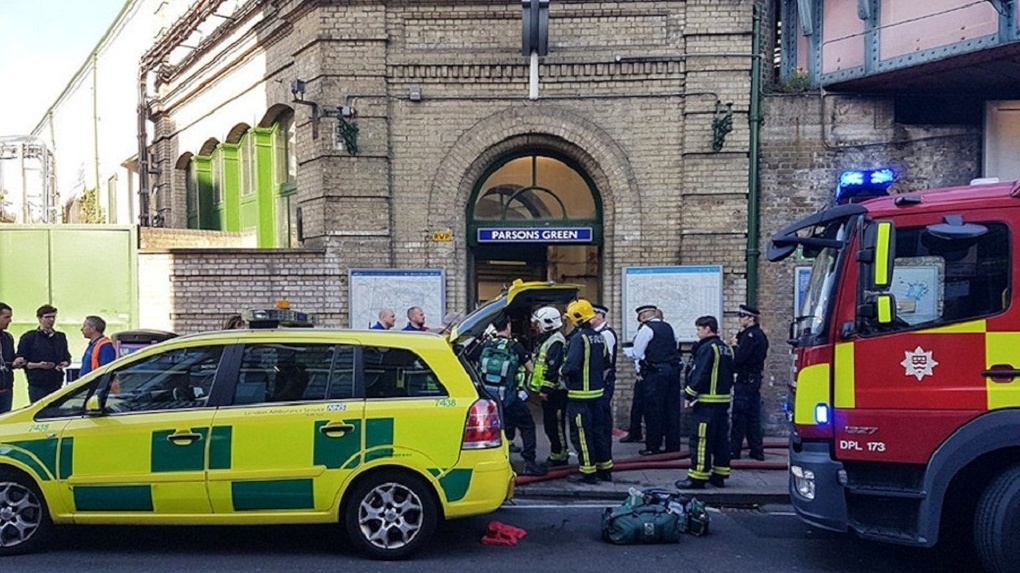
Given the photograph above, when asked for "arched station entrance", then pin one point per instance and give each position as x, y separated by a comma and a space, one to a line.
534, 215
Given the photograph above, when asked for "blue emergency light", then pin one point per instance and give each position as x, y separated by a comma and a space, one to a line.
860, 184
822, 414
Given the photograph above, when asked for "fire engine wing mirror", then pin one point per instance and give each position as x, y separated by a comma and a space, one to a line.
878, 309
877, 253
785, 242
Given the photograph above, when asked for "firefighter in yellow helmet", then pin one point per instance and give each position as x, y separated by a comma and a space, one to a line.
546, 381
586, 361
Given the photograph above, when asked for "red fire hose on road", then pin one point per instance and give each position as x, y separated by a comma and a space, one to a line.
664, 461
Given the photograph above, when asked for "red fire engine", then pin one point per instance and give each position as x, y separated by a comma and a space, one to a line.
906, 396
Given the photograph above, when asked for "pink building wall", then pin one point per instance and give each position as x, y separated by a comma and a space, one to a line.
909, 26
842, 36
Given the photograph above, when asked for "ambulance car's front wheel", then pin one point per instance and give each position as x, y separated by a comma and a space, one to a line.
24, 520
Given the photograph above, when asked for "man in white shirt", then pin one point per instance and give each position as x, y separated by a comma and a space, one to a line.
658, 363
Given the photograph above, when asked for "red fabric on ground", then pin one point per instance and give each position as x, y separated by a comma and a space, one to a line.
499, 533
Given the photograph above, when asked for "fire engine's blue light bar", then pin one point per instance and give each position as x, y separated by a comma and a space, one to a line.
859, 184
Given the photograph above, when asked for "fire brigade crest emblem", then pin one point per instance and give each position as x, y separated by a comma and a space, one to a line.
919, 363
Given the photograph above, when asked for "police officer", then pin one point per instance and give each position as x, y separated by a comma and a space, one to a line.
655, 350
604, 429
586, 360
749, 349
546, 381
708, 391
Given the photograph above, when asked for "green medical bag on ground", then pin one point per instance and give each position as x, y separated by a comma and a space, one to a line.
654, 516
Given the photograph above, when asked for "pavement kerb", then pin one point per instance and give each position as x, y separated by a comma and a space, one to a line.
713, 498
755, 484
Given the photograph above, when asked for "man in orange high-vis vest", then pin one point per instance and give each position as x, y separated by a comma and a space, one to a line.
100, 350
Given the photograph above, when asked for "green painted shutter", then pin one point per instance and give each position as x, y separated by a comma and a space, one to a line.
265, 187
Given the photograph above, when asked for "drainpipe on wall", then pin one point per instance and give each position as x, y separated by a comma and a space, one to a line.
95, 122
754, 119
49, 178
143, 154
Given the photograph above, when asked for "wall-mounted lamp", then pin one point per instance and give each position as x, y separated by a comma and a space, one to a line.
347, 129
297, 89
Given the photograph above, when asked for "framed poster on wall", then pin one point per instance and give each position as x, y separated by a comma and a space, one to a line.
371, 290
683, 293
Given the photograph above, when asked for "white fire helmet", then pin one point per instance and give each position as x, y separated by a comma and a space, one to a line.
548, 318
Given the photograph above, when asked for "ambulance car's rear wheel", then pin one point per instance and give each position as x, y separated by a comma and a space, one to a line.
997, 523
24, 520
390, 516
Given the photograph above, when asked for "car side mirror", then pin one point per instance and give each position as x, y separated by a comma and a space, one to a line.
93, 407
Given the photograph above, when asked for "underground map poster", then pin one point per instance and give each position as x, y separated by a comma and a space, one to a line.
683, 293
372, 290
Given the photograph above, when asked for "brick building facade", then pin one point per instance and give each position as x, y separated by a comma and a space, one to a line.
628, 95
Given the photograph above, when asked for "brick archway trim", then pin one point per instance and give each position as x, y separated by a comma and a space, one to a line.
528, 127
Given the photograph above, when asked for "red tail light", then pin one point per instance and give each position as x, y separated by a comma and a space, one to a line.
483, 428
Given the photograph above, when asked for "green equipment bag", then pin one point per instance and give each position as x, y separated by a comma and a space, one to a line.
654, 516
637, 522
691, 510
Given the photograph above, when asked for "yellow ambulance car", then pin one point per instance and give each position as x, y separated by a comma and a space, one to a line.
384, 432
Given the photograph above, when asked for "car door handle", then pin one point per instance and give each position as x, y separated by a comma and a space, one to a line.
337, 430
1001, 373
184, 438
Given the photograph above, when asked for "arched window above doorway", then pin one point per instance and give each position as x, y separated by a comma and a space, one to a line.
535, 187
534, 215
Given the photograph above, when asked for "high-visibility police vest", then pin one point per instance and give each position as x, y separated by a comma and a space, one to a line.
103, 341
538, 380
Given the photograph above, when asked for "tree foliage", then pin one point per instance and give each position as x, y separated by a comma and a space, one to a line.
91, 210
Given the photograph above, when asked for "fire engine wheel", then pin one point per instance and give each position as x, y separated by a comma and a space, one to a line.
997, 522
24, 520
390, 516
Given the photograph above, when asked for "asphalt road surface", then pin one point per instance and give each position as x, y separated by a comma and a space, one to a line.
561, 538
